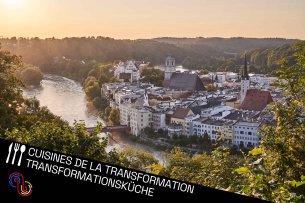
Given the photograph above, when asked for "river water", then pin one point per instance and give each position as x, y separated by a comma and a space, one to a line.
66, 98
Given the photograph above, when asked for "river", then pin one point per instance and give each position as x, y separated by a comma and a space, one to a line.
66, 98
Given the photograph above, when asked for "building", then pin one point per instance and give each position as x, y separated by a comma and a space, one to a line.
256, 100
216, 111
184, 82
127, 71
170, 67
262, 79
214, 128
174, 129
125, 114
180, 81
245, 82
180, 114
230, 76
179, 118
140, 118
158, 121
245, 134
188, 124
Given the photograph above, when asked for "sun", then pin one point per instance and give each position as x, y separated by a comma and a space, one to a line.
13, 3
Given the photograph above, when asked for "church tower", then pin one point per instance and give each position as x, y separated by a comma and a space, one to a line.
170, 67
146, 98
245, 82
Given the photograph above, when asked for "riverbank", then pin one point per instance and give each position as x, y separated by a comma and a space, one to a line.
66, 98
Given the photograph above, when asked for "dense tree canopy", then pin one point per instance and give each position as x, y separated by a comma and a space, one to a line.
30, 75
153, 76
74, 57
10, 93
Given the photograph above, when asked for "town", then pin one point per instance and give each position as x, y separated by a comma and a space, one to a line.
221, 105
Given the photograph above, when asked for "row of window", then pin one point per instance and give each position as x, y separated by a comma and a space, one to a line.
207, 126
243, 133
246, 138
243, 128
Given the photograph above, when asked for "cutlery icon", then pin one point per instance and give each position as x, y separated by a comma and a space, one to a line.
22, 149
9, 152
16, 148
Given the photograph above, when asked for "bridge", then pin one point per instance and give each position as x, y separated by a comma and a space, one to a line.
117, 128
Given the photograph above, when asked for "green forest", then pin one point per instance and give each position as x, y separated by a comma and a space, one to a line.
74, 57
275, 171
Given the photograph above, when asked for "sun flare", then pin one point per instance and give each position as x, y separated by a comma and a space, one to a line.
13, 3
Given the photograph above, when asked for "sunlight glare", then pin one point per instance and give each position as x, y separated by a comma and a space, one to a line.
13, 3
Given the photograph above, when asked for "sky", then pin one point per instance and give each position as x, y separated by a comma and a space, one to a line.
142, 19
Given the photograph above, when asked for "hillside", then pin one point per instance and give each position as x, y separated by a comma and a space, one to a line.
69, 55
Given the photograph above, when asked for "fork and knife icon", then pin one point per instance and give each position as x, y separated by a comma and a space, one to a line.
17, 147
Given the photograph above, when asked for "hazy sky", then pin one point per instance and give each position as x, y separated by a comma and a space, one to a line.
153, 18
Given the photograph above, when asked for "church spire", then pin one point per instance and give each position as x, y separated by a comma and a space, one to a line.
245, 75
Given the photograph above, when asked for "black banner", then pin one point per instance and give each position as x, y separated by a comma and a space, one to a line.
33, 174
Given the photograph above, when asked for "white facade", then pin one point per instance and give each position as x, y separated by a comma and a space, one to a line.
244, 86
158, 121
221, 77
230, 76
215, 128
262, 79
188, 125
246, 133
123, 96
125, 114
128, 67
140, 118
170, 67
209, 126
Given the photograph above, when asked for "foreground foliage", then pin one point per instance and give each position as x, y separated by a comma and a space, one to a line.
273, 172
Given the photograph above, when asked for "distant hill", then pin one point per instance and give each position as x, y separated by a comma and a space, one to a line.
68, 55
235, 45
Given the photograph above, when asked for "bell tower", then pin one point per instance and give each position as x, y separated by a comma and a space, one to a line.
245, 82
170, 67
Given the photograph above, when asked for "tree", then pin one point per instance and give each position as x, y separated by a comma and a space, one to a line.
136, 159
152, 75
93, 90
211, 88
215, 170
30, 75
62, 138
10, 95
114, 117
203, 72
107, 111
97, 102
206, 141
285, 142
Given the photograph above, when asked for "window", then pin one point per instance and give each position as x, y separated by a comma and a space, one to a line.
249, 133
242, 132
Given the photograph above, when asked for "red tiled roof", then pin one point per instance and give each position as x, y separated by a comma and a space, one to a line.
256, 100
181, 113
